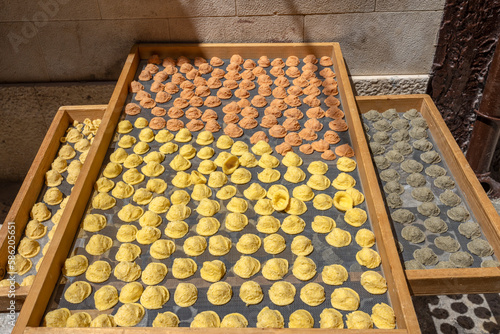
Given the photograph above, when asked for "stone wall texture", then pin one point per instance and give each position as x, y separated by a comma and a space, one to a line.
468, 38
69, 40
26, 113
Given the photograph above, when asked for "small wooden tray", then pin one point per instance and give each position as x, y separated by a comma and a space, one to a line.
460, 280
33, 184
45, 282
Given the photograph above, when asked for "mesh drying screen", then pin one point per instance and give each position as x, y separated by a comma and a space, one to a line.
323, 253
411, 204
65, 189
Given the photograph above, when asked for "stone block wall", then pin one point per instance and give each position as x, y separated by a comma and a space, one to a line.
69, 40
47, 48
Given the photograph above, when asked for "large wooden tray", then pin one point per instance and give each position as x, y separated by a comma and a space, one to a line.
45, 282
448, 281
33, 184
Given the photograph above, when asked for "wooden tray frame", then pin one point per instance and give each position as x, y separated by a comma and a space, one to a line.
460, 280
33, 182
36, 301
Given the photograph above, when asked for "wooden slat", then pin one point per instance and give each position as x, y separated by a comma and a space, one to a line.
44, 284
33, 183
449, 281
460, 280
393, 270
46, 279
19, 297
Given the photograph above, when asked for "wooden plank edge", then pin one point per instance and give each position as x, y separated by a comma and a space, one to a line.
390, 97
64, 115
80, 113
399, 102
30, 189
400, 294
481, 206
18, 296
46, 279
457, 280
454, 281
86, 107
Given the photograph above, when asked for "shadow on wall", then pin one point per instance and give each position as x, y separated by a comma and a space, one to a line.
71, 50
300, 20
160, 34
66, 45
62, 44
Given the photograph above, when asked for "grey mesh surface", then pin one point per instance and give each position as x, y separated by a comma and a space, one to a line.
323, 253
411, 204
65, 188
